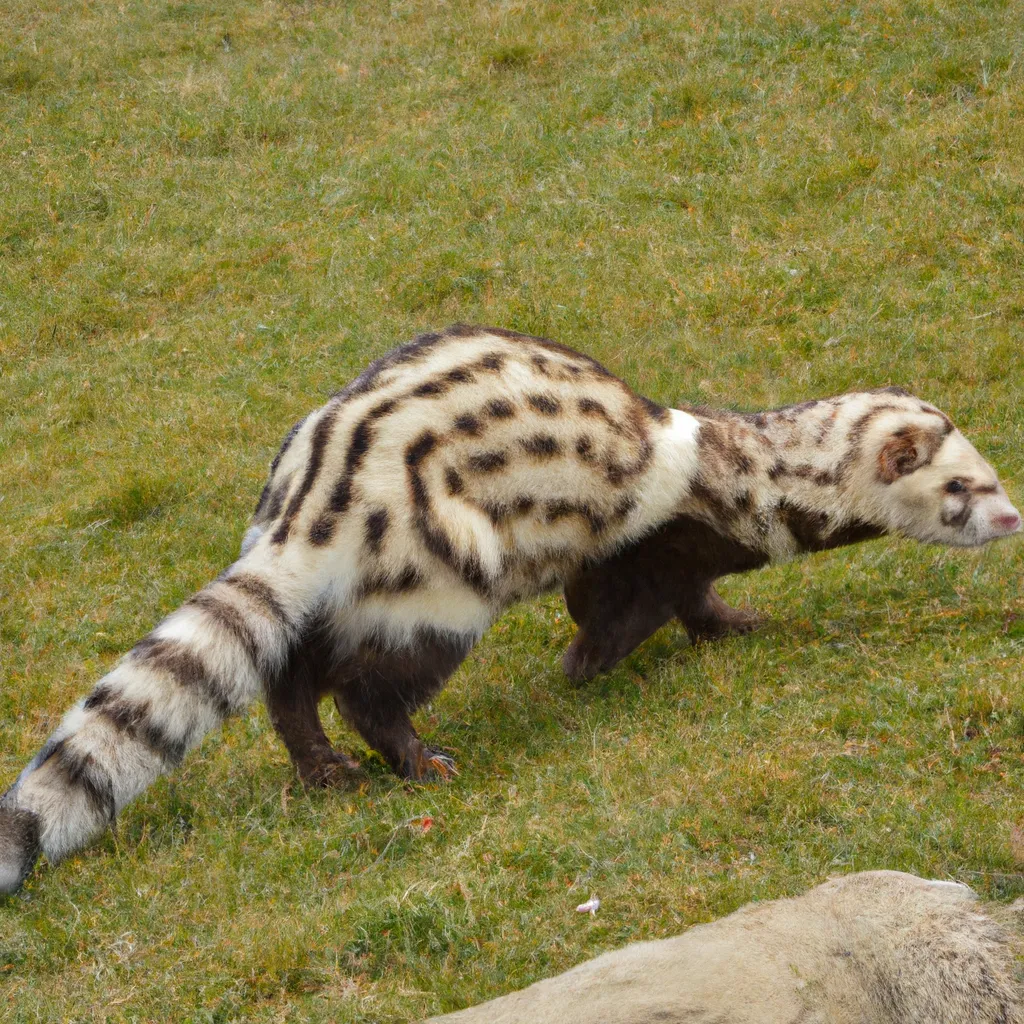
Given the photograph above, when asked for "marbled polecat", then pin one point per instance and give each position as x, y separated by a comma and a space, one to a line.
463, 471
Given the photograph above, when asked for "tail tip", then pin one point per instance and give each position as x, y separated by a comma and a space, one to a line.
19, 846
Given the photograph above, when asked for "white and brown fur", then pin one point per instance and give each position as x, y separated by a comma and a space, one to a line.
878, 947
771, 485
464, 471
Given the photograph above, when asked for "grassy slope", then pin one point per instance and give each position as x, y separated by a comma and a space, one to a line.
211, 214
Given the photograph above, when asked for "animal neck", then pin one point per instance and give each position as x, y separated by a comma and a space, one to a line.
773, 482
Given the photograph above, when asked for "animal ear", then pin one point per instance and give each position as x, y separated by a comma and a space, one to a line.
909, 448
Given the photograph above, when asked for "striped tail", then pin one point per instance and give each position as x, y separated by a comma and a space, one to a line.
206, 661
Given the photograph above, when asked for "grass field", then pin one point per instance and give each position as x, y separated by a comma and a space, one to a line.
213, 214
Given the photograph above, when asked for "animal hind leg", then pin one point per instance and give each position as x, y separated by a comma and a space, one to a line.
389, 687
388, 729
295, 717
293, 705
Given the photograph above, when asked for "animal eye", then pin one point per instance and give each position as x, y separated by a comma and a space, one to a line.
955, 487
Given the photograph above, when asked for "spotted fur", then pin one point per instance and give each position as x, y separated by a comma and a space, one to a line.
461, 472
771, 485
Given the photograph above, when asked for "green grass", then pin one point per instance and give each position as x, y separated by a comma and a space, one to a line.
213, 214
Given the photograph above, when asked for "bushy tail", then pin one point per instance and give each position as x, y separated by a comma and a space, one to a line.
204, 662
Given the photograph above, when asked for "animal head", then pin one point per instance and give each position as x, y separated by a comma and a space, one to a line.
912, 472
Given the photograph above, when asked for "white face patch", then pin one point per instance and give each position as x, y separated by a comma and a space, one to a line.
935, 488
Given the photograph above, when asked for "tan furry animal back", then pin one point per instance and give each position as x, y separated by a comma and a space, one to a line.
880, 947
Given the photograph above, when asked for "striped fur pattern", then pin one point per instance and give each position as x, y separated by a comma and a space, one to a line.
466, 470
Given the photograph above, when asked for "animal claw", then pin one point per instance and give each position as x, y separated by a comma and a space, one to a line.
443, 765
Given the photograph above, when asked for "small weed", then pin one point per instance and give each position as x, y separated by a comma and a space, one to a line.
131, 502
21, 74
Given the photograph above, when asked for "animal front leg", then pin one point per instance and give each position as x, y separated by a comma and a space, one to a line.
615, 614
599, 646
294, 715
706, 616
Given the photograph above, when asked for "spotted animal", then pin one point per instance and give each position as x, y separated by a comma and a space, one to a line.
463, 471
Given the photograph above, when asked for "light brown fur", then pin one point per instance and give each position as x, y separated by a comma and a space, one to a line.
878, 947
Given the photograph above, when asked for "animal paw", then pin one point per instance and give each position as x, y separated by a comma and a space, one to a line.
743, 620
730, 622
329, 770
586, 658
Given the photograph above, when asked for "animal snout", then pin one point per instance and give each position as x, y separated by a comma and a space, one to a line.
1007, 522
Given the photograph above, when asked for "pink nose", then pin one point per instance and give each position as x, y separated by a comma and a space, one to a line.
1008, 522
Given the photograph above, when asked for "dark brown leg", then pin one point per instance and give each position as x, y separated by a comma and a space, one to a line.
599, 646
617, 605
293, 713
391, 684
391, 733
707, 617
292, 701
620, 602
